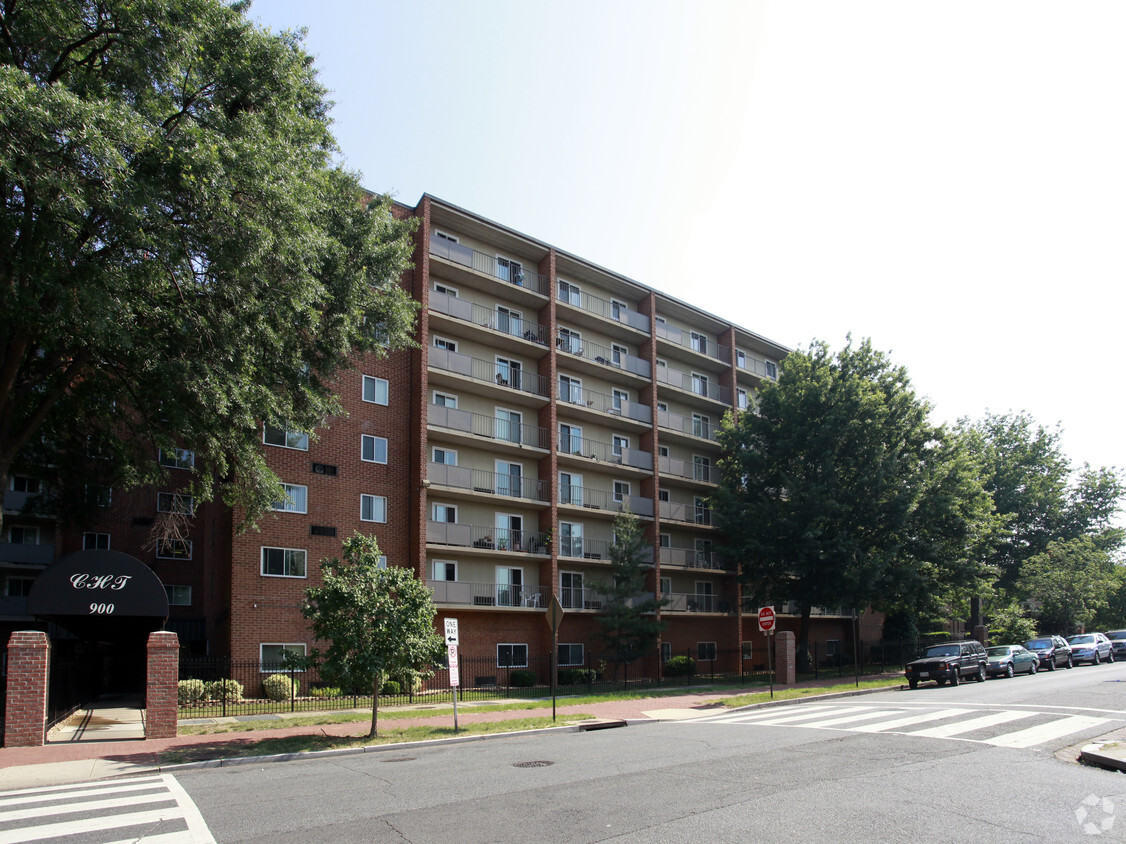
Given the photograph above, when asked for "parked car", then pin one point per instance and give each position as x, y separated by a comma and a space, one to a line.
1090, 647
1007, 660
1117, 643
949, 661
1052, 650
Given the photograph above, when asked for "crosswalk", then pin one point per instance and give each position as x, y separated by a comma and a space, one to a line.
1020, 728
155, 810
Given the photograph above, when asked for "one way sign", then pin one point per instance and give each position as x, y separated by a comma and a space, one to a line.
451, 631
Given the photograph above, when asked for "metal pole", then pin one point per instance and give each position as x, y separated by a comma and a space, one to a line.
855, 653
770, 661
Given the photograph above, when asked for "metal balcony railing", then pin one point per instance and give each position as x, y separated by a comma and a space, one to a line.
697, 602
764, 368
694, 384
615, 311
440, 416
603, 499
695, 425
690, 558
694, 341
21, 552
494, 319
582, 548
511, 272
493, 483
571, 394
691, 513
693, 470
750, 604
605, 355
494, 372
597, 450
487, 594
487, 537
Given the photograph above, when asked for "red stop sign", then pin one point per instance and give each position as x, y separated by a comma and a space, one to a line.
766, 619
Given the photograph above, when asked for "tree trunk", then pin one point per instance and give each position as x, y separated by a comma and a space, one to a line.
374, 709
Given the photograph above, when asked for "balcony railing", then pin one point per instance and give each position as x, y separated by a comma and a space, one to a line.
487, 594
602, 499
615, 311
493, 483
766, 369
19, 552
792, 608
503, 375
605, 355
489, 265
13, 605
694, 342
606, 404
690, 469
690, 558
453, 419
487, 537
597, 450
496, 320
694, 426
705, 387
697, 602
691, 513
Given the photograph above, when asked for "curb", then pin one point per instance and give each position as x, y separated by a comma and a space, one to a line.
1092, 754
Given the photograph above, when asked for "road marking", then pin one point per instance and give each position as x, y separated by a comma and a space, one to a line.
907, 721
959, 727
806, 716
845, 719
1046, 732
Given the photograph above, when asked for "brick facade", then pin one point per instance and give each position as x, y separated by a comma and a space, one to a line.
25, 720
161, 685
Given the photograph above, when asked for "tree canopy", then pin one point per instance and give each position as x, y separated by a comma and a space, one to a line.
1069, 582
379, 622
181, 257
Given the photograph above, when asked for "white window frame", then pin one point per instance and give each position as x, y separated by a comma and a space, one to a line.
378, 388
166, 549
295, 500
616, 308
441, 235
291, 438
175, 502
664, 540
445, 343
618, 444
173, 589
442, 287
574, 487
276, 664
572, 438
771, 369
573, 576
570, 528
618, 400
508, 424
285, 562
32, 486
506, 378
514, 646
740, 359
748, 649
446, 453
698, 342
179, 458
571, 654
89, 544
570, 340
29, 530
665, 585
374, 441
25, 586
444, 564
622, 491
373, 501
449, 508
742, 400
574, 389
448, 399
700, 380
618, 354
574, 296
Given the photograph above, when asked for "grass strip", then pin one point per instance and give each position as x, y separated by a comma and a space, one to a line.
791, 694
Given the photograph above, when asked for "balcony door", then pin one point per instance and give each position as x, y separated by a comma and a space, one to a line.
509, 586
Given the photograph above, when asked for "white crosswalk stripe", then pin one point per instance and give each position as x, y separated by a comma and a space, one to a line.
153, 809
952, 722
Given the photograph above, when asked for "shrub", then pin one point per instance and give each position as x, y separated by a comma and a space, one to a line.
325, 691
279, 687
576, 676
522, 679
680, 666
189, 691
390, 687
228, 690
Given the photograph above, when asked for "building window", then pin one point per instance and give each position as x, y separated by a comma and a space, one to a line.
701, 426
660, 320
741, 401
18, 587
376, 390
508, 372
570, 539
176, 458
571, 654
619, 444
571, 594
285, 437
283, 562
512, 656
175, 502
509, 270
748, 650
618, 354
98, 495
444, 570
662, 407
664, 540
702, 467
174, 549
666, 585
771, 369
509, 424
445, 399
446, 289
569, 293
95, 542
23, 483
570, 439
443, 513
620, 399
23, 535
373, 508
277, 657
666, 651
570, 341
699, 342
705, 651
833, 648
570, 489
621, 492
741, 362
618, 308
294, 499
570, 389
381, 561
699, 384
373, 449
510, 321
443, 236
178, 596
446, 456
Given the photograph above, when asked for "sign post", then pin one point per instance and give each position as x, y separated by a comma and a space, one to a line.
451, 654
554, 619
766, 621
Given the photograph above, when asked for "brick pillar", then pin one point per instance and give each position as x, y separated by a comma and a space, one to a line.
161, 699
785, 654
25, 723
981, 633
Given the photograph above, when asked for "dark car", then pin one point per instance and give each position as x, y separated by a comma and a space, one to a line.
1117, 643
1090, 647
1007, 660
1052, 650
948, 661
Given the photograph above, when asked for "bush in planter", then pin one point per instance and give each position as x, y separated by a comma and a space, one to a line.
228, 690
522, 679
680, 666
279, 687
577, 676
189, 691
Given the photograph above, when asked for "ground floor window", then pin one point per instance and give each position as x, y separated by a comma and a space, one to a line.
273, 655
833, 647
705, 650
178, 596
748, 650
571, 654
512, 656
666, 649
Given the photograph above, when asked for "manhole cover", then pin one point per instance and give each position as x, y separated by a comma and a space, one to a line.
400, 759
539, 763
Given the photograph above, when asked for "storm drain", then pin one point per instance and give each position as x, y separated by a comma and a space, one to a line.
539, 763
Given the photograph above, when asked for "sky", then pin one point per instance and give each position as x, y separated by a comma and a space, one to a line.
947, 179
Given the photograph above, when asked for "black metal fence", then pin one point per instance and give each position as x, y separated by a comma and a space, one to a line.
71, 683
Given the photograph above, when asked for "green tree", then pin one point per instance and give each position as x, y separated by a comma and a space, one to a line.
628, 622
838, 491
1113, 615
1070, 582
379, 621
1009, 624
181, 260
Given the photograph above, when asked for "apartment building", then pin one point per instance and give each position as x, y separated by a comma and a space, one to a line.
546, 395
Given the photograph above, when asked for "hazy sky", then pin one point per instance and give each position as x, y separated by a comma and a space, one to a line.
948, 179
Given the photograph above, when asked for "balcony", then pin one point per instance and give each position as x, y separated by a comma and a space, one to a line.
604, 356
462, 421
490, 372
593, 498
582, 397
487, 594
19, 552
486, 537
690, 558
703, 387
491, 483
494, 320
691, 470
793, 608
692, 426
697, 602
13, 606
488, 265
694, 514
694, 342
606, 309
761, 368
581, 598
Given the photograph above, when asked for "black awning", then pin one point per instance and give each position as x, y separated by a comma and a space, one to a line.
88, 590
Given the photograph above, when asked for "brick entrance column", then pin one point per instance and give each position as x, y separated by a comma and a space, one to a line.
161, 699
785, 652
25, 723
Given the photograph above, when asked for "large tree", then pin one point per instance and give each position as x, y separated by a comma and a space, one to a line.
379, 622
837, 490
1069, 582
181, 259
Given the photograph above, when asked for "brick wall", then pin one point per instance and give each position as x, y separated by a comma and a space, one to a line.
25, 720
